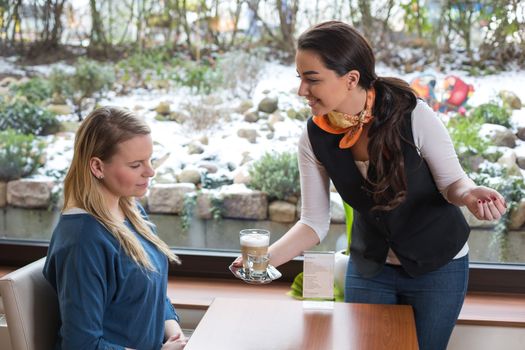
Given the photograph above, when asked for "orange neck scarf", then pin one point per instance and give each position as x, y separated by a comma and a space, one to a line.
351, 125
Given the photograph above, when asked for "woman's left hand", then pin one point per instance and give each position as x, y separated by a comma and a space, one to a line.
176, 342
485, 203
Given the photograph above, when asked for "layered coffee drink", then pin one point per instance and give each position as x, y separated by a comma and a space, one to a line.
254, 242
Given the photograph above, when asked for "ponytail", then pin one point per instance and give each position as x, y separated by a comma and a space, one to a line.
395, 101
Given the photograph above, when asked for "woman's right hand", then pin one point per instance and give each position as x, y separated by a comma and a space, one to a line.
176, 342
237, 262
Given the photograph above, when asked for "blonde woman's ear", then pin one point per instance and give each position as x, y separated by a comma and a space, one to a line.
96, 166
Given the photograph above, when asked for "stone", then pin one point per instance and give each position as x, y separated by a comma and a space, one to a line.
249, 134
195, 148
509, 161
204, 205
168, 198
521, 133
245, 204
211, 168
510, 99
268, 105
505, 138
60, 109
163, 108
517, 216
521, 162
244, 106
29, 193
189, 176
281, 211
251, 117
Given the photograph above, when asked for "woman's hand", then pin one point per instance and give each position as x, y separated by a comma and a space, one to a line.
175, 342
485, 203
237, 262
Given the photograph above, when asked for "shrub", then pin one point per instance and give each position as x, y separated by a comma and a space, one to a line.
35, 90
91, 79
492, 113
27, 118
277, 174
464, 132
20, 155
241, 71
201, 77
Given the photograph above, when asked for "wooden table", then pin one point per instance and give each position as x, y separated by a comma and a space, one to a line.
257, 324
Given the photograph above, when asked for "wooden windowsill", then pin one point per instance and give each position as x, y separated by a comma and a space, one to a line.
486, 309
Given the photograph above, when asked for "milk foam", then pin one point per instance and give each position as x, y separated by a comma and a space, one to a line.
255, 240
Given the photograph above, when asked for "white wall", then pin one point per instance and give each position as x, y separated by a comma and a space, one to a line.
467, 337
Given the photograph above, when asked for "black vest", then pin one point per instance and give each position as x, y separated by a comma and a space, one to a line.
425, 231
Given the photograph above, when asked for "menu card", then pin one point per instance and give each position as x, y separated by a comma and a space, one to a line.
318, 275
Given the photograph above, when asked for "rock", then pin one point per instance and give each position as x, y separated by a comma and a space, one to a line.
163, 108
251, 117
508, 161
60, 109
505, 138
192, 176
241, 175
520, 160
58, 99
517, 216
204, 140
168, 198
195, 148
29, 193
3, 194
281, 211
244, 106
268, 105
274, 118
245, 204
249, 134
204, 205
521, 133
210, 167
510, 99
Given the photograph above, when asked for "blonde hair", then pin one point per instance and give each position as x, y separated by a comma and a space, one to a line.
98, 136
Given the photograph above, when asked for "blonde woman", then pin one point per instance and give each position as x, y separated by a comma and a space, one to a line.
105, 261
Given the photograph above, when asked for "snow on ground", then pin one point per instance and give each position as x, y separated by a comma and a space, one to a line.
224, 145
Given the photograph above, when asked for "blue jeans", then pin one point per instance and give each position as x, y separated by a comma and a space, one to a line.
436, 297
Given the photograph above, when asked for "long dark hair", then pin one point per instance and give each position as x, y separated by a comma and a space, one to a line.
342, 49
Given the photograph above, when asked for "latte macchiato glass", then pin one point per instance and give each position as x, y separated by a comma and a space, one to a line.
254, 242
258, 265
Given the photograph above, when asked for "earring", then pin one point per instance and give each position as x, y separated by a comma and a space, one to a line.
100, 177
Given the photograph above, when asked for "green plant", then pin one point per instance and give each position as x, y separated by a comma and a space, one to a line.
199, 76
91, 79
277, 174
186, 216
492, 113
464, 132
27, 118
20, 155
34, 90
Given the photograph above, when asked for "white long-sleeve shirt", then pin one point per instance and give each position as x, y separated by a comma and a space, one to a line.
434, 145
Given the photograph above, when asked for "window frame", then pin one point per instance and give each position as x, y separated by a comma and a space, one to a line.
484, 277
